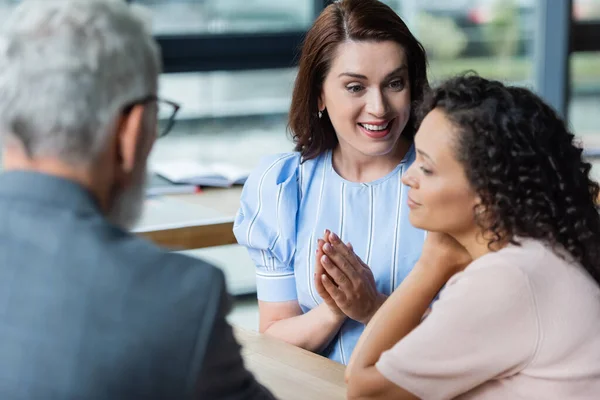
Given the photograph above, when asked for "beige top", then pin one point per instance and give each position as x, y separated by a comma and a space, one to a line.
520, 323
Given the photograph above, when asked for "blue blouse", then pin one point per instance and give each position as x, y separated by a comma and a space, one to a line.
287, 205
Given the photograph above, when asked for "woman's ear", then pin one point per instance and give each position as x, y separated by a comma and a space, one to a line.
321, 102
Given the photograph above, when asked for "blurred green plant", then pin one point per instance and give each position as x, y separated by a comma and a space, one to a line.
441, 36
502, 31
585, 69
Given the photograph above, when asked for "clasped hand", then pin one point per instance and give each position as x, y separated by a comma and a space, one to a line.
443, 255
344, 281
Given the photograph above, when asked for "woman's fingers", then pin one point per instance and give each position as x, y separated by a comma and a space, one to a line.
335, 272
333, 291
345, 250
348, 266
319, 254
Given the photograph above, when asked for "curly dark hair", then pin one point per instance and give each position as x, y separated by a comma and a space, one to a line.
525, 165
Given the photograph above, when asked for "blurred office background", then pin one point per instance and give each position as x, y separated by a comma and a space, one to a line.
231, 63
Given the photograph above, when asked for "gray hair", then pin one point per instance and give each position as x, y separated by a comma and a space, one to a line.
67, 68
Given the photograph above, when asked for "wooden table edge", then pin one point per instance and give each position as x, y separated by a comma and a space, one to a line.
192, 237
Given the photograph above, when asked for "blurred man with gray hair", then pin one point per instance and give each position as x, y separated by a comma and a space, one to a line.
87, 310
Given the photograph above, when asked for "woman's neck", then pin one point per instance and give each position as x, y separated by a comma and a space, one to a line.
477, 245
355, 166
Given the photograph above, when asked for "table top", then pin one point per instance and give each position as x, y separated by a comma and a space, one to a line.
191, 221
224, 200
290, 373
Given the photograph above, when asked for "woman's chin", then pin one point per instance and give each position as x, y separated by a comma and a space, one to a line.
378, 149
418, 222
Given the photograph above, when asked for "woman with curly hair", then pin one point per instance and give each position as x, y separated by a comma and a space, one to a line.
515, 243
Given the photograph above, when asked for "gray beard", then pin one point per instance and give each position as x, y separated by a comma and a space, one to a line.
128, 205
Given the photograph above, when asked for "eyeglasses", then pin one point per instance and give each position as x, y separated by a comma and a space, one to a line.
166, 108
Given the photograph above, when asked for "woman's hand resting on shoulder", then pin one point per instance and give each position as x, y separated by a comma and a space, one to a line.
343, 279
443, 255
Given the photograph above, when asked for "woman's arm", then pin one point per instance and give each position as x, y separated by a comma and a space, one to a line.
386, 328
399, 315
311, 331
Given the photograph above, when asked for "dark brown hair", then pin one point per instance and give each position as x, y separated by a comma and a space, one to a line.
357, 20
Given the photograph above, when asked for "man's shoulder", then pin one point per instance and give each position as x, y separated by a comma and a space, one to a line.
137, 252
127, 254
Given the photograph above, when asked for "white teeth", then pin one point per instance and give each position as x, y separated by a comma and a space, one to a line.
375, 127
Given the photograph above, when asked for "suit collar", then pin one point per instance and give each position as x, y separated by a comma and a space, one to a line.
49, 189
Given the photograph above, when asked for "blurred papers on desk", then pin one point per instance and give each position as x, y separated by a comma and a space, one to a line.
157, 185
196, 173
165, 212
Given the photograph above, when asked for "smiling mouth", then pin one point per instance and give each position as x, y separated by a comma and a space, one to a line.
376, 128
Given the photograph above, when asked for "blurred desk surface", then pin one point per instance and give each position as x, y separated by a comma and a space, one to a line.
291, 373
223, 200
191, 221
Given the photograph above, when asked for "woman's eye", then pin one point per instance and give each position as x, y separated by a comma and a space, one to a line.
426, 171
397, 84
354, 88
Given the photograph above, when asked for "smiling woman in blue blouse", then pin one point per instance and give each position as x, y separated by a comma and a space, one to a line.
361, 72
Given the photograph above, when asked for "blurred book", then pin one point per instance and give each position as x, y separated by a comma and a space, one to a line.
157, 186
200, 174
591, 152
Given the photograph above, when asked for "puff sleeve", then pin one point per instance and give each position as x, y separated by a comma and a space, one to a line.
266, 225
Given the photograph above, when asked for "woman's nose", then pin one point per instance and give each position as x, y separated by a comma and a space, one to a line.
377, 104
409, 179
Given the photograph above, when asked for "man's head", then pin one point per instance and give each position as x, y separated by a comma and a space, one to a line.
75, 81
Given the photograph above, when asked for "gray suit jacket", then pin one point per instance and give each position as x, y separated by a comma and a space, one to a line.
89, 311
